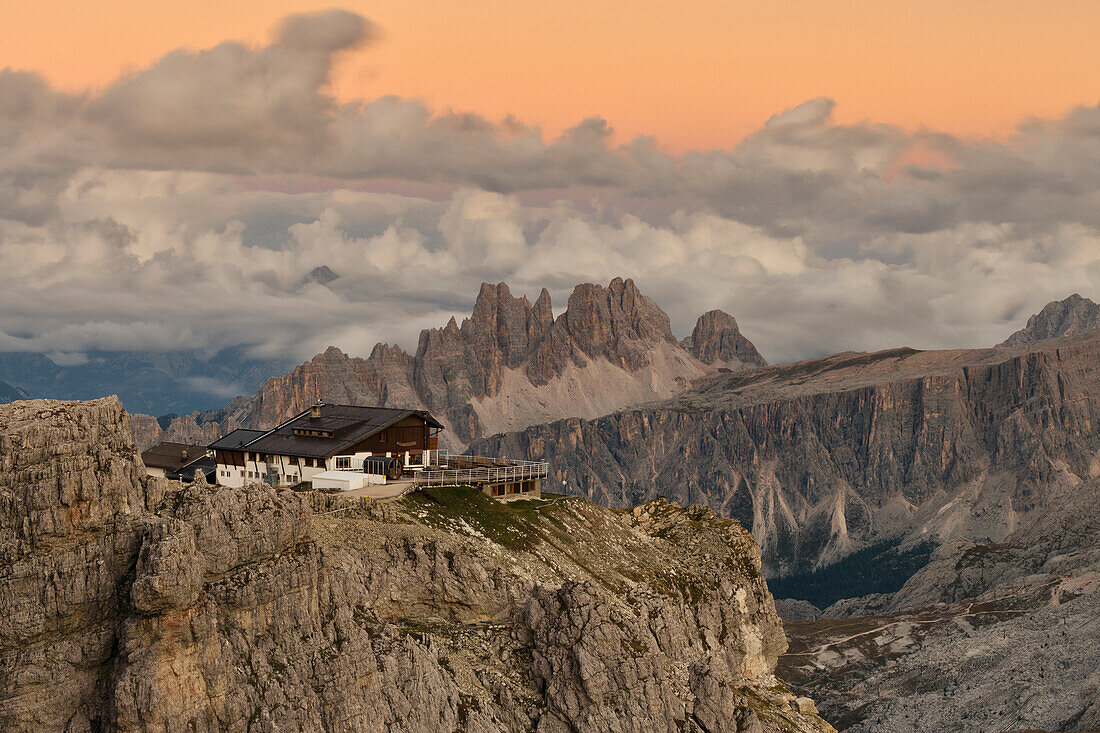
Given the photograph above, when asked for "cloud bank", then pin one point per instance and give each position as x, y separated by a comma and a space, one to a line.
185, 205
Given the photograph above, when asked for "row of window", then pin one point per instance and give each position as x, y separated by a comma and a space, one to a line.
226, 473
305, 432
520, 487
269, 458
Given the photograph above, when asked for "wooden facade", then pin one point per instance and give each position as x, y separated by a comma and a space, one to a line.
528, 489
412, 435
229, 458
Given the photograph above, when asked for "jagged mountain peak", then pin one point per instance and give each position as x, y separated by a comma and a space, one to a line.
607, 321
505, 324
1066, 317
543, 303
383, 350
511, 363
717, 340
321, 275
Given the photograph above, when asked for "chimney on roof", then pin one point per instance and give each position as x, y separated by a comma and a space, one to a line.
315, 410
183, 453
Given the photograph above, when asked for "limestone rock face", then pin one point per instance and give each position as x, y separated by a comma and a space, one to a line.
136, 604
1059, 318
456, 363
615, 322
72, 492
146, 430
825, 457
597, 661
717, 340
510, 365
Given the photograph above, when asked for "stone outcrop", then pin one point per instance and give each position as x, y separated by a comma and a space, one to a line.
794, 609
718, 341
1060, 318
135, 604
510, 365
825, 457
71, 497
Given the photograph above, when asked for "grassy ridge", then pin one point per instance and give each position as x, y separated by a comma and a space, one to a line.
514, 524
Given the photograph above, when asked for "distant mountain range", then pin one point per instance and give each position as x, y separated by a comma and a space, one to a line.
827, 457
9, 393
146, 382
509, 365
478, 360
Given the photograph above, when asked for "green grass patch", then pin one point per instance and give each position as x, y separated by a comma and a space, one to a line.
515, 524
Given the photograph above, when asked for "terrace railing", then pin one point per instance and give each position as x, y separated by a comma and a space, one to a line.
445, 469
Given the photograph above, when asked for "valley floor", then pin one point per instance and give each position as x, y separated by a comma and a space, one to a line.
1023, 657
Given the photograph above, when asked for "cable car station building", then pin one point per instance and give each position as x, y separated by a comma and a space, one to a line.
327, 438
367, 451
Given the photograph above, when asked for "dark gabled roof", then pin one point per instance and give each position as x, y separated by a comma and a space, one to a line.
172, 456
349, 424
187, 473
236, 439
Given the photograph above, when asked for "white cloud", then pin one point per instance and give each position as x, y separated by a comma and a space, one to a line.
184, 205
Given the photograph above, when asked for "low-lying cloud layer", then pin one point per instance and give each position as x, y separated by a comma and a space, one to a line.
186, 205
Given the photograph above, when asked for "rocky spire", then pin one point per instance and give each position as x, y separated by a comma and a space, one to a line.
1059, 318
616, 322
718, 341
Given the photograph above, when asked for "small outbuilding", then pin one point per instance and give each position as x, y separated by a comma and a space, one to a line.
178, 461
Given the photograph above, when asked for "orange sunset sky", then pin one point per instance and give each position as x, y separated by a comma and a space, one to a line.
694, 73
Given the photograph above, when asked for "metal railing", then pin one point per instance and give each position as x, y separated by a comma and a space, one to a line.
446, 469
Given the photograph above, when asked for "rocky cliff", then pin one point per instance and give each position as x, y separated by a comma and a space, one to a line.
1059, 318
825, 457
199, 428
133, 604
510, 365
